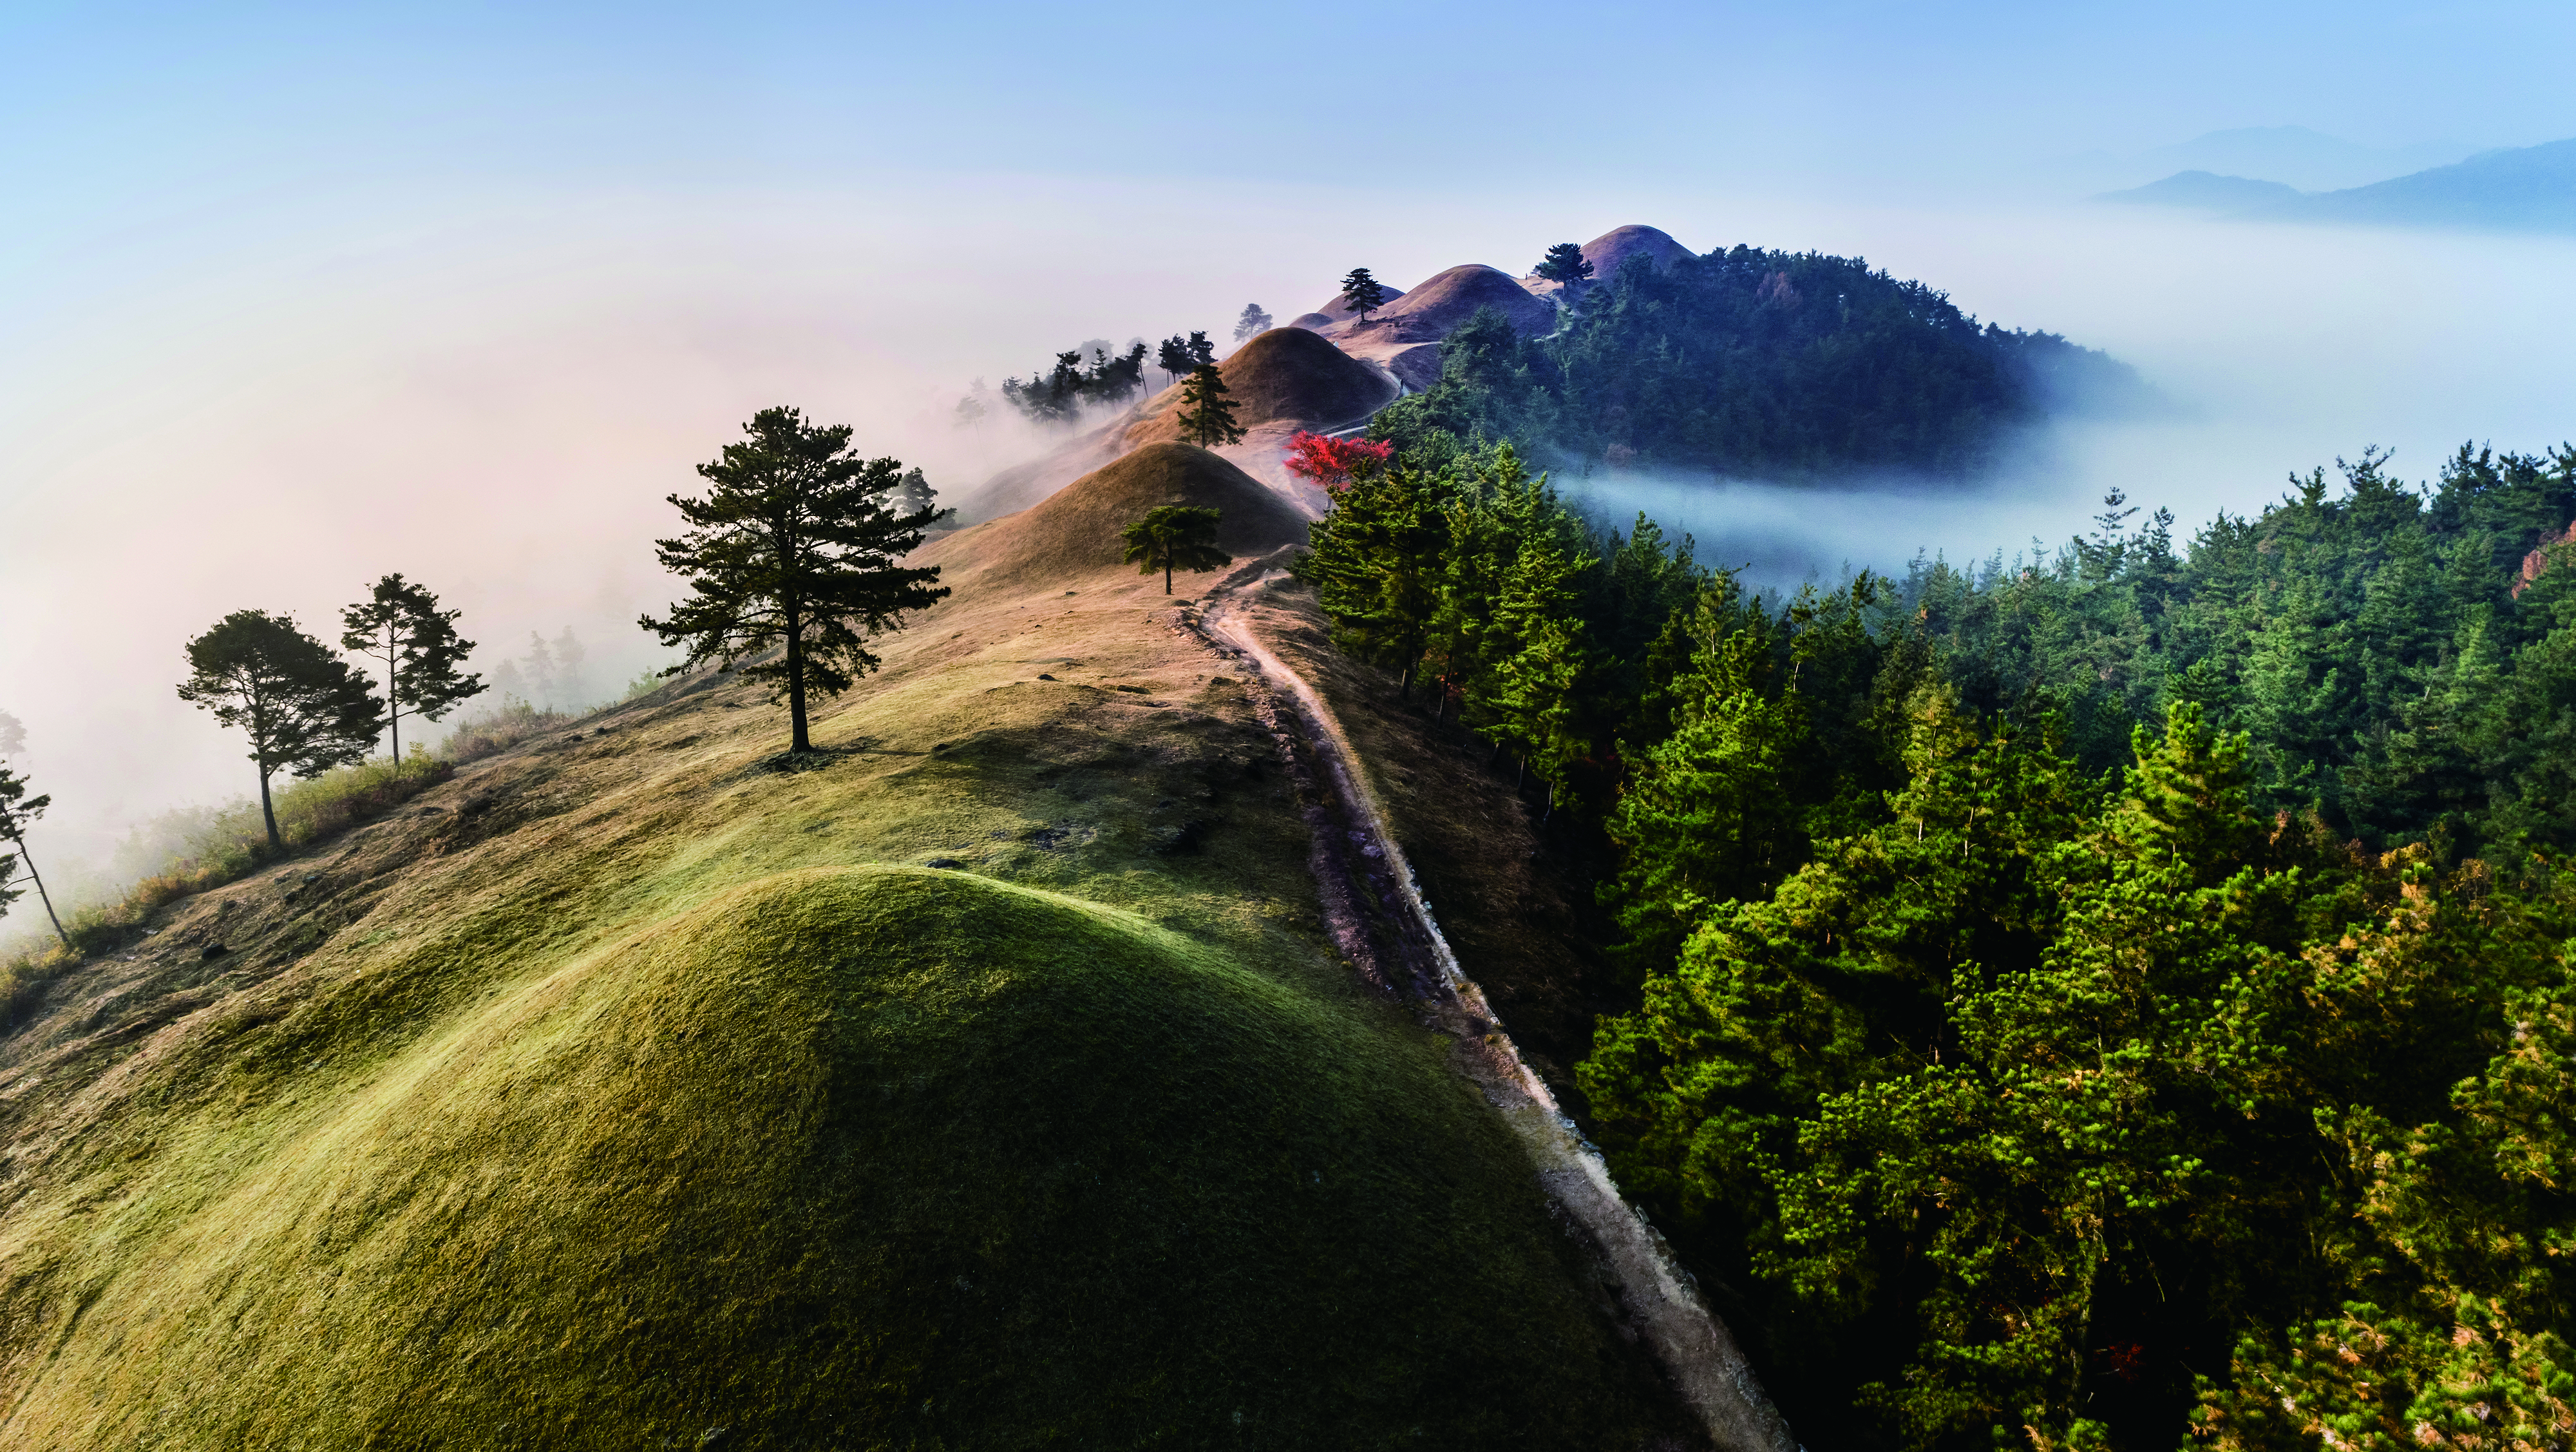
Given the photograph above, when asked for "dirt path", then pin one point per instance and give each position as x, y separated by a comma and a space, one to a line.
1382, 925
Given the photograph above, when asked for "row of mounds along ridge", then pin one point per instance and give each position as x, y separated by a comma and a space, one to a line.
1281, 381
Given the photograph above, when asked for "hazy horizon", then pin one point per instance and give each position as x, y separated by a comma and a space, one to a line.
276, 333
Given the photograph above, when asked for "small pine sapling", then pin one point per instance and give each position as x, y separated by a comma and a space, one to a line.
1175, 536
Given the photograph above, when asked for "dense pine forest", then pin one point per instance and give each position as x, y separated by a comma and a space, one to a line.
1751, 360
2118, 999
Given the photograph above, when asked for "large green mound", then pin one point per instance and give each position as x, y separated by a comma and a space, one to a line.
860, 1157
1075, 531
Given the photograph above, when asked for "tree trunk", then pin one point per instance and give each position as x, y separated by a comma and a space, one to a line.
393, 694
796, 738
267, 813
47, 898
1167, 573
1404, 683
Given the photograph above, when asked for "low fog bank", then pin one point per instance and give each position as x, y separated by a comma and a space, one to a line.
2269, 349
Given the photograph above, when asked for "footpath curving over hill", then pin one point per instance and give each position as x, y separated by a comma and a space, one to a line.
997, 1082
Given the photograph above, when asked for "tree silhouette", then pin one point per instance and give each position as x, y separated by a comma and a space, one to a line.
1566, 266
303, 708
1202, 352
794, 546
1175, 536
913, 494
400, 625
1252, 322
1362, 293
1173, 357
1207, 412
17, 810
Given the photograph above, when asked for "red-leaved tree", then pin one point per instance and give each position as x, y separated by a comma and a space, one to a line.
1332, 462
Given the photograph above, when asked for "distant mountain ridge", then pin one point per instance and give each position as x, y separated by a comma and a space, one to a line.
2527, 188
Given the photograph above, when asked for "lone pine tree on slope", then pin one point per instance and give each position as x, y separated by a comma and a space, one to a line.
1175, 536
1566, 266
797, 546
400, 626
1252, 322
303, 708
1207, 410
1362, 293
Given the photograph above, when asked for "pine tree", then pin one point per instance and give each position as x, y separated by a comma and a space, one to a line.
1566, 266
400, 626
303, 708
540, 664
1362, 293
1375, 562
569, 655
1202, 352
1175, 536
914, 494
1207, 413
1173, 357
794, 547
17, 811
1252, 323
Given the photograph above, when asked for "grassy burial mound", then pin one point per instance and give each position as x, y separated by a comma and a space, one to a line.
1611, 250
1435, 309
991, 1084
1405, 335
1287, 377
1075, 531
853, 1157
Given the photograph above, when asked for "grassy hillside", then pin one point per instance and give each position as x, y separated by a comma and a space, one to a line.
990, 1086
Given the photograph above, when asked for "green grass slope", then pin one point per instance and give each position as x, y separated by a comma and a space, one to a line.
628, 1094
860, 1157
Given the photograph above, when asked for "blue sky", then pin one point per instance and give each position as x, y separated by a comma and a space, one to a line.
291, 296
108, 104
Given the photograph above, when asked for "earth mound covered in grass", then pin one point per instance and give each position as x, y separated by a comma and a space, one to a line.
866, 1157
1284, 375
1074, 531
1435, 309
1611, 250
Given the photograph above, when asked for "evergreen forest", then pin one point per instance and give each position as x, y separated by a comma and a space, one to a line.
2120, 998
1758, 361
